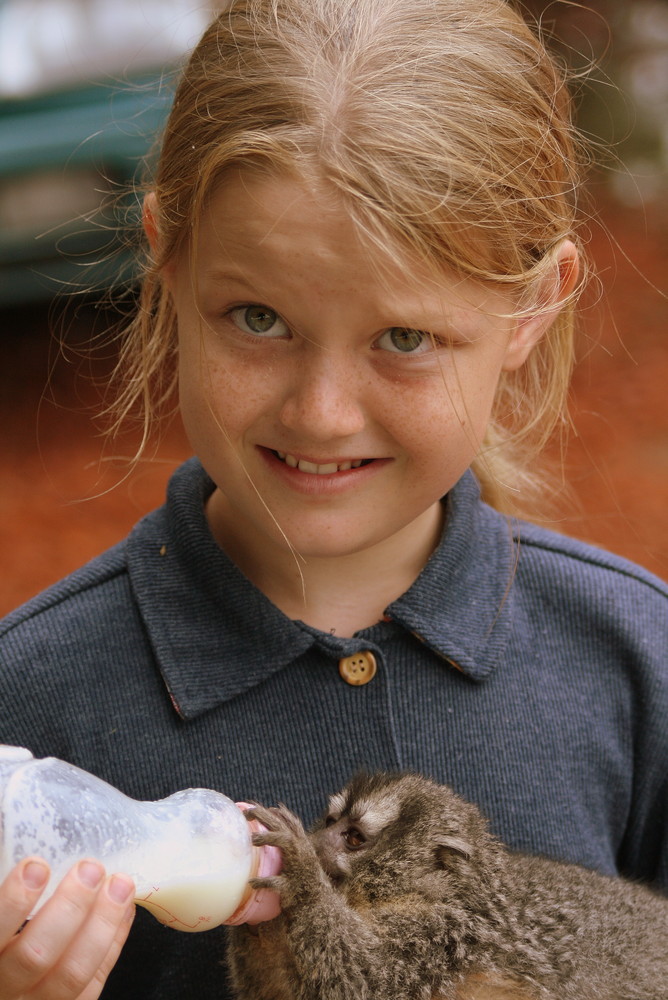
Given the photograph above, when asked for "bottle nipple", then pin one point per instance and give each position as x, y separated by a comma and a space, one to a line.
259, 905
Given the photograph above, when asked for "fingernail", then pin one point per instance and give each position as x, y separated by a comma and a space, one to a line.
120, 888
90, 873
35, 875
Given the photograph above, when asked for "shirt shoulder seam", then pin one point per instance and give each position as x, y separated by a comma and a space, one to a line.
591, 557
57, 595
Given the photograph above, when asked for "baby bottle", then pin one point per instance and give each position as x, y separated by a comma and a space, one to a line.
190, 854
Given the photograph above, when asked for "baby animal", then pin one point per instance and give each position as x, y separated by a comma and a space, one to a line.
400, 892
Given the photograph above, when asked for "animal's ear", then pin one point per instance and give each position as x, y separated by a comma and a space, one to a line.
447, 846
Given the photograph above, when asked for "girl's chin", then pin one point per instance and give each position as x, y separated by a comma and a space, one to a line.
302, 523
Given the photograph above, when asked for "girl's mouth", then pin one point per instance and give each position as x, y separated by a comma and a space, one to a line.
327, 469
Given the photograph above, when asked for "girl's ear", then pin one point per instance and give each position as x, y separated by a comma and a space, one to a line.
554, 294
150, 221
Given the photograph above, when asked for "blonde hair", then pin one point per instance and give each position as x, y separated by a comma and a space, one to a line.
445, 127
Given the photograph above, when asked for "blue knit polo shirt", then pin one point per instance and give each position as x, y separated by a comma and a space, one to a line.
526, 669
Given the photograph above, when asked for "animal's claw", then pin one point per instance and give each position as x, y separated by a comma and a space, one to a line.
278, 819
262, 814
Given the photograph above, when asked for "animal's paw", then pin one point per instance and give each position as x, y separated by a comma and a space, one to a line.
276, 883
282, 826
301, 874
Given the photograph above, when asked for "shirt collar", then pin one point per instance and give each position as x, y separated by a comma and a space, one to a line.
461, 604
215, 635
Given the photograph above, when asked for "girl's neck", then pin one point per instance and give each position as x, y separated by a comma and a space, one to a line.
340, 595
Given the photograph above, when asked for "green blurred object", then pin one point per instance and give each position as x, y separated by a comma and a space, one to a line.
68, 163
85, 88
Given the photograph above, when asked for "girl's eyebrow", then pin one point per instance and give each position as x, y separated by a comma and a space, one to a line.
226, 273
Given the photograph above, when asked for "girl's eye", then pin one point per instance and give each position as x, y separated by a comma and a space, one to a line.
403, 340
259, 320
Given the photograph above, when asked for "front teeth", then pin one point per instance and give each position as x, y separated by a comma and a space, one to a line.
317, 470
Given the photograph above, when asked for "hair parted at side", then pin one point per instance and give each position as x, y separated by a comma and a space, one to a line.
445, 127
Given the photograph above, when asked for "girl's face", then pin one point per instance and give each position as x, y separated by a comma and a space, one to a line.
333, 402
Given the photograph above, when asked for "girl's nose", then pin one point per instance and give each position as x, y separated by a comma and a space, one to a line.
325, 400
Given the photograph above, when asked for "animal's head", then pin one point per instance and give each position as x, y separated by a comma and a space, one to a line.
401, 832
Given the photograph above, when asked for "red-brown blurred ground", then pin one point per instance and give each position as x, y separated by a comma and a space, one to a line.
52, 518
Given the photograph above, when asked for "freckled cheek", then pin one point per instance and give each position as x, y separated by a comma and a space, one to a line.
447, 420
218, 396
439, 404
201, 390
470, 394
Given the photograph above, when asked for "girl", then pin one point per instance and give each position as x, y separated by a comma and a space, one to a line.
362, 271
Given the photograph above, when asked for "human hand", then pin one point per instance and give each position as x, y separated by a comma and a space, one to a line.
67, 950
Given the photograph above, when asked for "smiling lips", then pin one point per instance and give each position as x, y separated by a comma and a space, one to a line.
327, 469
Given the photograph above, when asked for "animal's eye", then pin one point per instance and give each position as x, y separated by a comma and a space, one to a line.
354, 838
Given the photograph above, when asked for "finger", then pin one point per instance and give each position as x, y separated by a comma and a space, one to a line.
110, 959
18, 895
86, 963
32, 955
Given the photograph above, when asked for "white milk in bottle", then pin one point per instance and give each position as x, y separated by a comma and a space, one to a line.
190, 854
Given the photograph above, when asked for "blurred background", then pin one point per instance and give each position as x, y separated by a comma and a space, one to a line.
84, 88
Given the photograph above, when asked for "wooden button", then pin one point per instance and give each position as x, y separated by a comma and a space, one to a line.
358, 669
